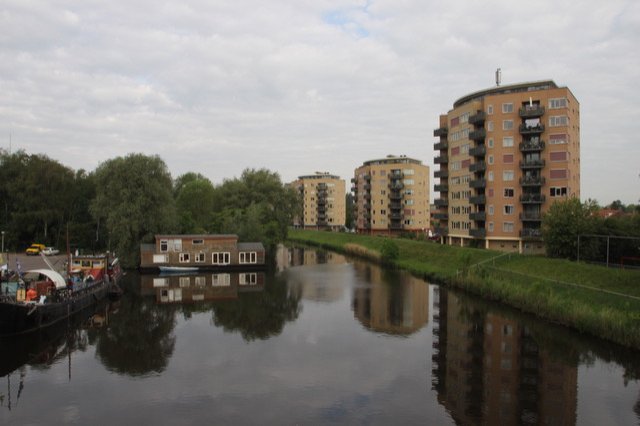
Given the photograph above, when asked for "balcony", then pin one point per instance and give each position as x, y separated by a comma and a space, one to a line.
395, 216
397, 174
441, 202
441, 174
531, 111
532, 164
395, 206
532, 181
478, 216
531, 130
443, 159
532, 198
366, 177
479, 166
531, 216
442, 231
395, 226
441, 216
442, 131
396, 195
478, 151
367, 186
367, 196
441, 145
532, 146
478, 183
478, 233
532, 233
321, 223
477, 118
396, 186
478, 199
442, 187
477, 134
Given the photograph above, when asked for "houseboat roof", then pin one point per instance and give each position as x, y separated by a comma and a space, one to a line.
198, 236
54, 276
250, 246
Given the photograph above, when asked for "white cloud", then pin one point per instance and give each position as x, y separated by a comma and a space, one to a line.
302, 86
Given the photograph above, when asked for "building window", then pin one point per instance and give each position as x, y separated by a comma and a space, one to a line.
200, 257
558, 139
184, 258
490, 226
558, 156
556, 103
558, 120
490, 176
507, 226
507, 142
221, 258
509, 193
491, 210
558, 173
490, 126
185, 282
507, 175
489, 109
508, 209
507, 108
490, 143
507, 124
507, 158
221, 280
248, 278
558, 191
248, 257
200, 281
490, 159
164, 246
197, 242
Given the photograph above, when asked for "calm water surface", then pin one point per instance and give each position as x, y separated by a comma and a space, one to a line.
326, 340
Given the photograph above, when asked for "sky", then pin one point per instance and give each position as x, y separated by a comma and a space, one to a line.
300, 86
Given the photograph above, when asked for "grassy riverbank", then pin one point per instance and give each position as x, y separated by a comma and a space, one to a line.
592, 299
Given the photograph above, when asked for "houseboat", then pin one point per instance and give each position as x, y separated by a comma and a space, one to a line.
40, 298
202, 252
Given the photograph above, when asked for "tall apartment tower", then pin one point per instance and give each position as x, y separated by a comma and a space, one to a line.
505, 154
391, 195
323, 196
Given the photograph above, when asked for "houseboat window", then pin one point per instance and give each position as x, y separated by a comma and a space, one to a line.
86, 264
201, 281
177, 245
248, 257
221, 258
197, 242
164, 246
248, 279
160, 258
184, 258
221, 280
160, 282
200, 257
185, 281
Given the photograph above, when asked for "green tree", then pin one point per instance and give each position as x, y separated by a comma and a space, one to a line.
389, 252
194, 203
349, 206
133, 202
562, 224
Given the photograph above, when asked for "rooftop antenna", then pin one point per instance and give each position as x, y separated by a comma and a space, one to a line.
498, 76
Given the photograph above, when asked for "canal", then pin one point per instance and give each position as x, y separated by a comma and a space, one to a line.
325, 340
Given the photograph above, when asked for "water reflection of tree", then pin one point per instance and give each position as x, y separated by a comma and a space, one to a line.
139, 339
258, 315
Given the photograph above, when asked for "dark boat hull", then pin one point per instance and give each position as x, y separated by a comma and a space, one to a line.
20, 318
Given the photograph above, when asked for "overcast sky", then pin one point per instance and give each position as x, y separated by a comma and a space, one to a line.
305, 85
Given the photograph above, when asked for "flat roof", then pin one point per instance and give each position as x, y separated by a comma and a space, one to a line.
512, 88
392, 159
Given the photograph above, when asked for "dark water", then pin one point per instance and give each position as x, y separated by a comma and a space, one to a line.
327, 340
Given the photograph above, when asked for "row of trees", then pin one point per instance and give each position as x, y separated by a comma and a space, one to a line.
127, 200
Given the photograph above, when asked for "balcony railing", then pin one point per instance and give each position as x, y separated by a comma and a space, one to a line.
531, 216
367, 186
477, 118
478, 183
441, 174
441, 145
531, 130
532, 181
441, 202
532, 146
395, 216
442, 230
395, 206
441, 216
532, 164
397, 186
442, 187
478, 199
441, 159
396, 226
479, 166
532, 198
531, 233
442, 131
478, 233
395, 195
478, 216
477, 134
478, 151
531, 111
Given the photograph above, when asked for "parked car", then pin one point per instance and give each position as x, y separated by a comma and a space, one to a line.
50, 251
34, 249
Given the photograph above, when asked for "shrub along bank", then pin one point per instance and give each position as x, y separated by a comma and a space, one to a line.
592, 299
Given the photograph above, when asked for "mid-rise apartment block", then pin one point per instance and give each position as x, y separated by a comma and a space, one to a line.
323, 201
391, 196
506, 154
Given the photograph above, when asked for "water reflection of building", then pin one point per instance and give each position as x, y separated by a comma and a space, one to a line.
489, 369
392, 302
287, 257
200, 287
